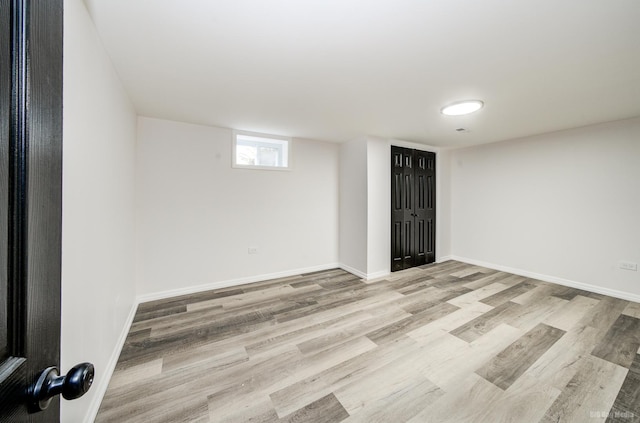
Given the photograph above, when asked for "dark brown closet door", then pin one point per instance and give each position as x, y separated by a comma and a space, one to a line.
412, 208
30, 196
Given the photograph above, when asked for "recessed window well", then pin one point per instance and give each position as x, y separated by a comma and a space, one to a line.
261, 151
462, 108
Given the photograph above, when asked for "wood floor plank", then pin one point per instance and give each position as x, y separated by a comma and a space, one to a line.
162, 312
604, 314
482, 324
478, 295
533, 314
399, 405
176, 318
400, 328
258, 410
633, 310
528, 399
451, 360
451, 321
340, 300
373, 389
411, 346
563, 359
569, 293
469, 402
198, 382
208, 354
443, 269
135, 374
467, 271
627, 404
312, 388
326, 409
419, 301
188, 299
328, 339
508, 294
590, 393
571, 313
542, 291
621, 342
300, 333
252, 384
514, 360
488, 279
408, 281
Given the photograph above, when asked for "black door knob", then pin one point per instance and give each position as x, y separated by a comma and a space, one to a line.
73, 385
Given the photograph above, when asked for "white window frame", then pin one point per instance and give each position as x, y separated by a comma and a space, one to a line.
266, 139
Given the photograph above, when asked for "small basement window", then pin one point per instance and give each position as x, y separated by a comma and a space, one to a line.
260, 151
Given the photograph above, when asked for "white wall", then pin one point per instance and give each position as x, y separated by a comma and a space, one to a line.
353, 206
564, 205
443, 204
197, 216
98, 270
378, 245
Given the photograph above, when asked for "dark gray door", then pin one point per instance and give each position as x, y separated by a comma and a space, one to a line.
412, 208
30, 202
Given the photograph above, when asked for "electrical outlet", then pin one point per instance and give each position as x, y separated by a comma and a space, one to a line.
626, 265
253, 250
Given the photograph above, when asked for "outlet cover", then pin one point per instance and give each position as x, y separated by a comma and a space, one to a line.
253, 250
627, 265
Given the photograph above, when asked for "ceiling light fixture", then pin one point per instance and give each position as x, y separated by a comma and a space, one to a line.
462, 108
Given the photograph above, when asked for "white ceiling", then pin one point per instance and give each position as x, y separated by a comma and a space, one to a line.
335, 70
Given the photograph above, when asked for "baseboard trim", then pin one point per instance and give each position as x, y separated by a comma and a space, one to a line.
363, 275
553, 279
376, 275
231, 282
100, 388
353, 270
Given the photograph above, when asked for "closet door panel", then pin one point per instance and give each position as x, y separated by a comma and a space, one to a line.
412, 208
430, 207
399, 196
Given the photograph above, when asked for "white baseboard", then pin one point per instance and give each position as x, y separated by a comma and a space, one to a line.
376, 275
444, 258
363, 275
353, 270
231, 282
101, 387
553, 279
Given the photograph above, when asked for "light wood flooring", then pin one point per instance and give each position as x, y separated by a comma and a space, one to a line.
448, 342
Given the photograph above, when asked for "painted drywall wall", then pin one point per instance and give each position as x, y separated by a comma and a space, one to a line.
443, 204
98, 270
353, 206
378, 245
564, 204
197, 216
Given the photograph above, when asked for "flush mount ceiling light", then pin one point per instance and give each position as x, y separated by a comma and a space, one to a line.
462, 108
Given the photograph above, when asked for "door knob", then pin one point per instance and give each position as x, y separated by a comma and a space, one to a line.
73, 385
